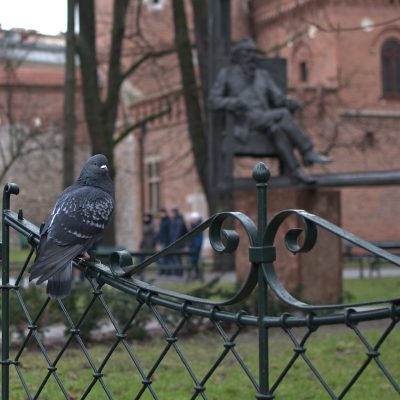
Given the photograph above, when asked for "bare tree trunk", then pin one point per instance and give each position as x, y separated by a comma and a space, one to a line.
200, 19
69, 100
95, 111
88, 59
193, 109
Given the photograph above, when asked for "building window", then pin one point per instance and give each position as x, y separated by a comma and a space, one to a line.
303, 70
390, 57
302, 62
153, 185
155, 5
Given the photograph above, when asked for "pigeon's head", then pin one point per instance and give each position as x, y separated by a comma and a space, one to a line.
96, 165
94, 170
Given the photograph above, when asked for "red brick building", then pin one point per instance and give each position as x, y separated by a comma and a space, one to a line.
344, 63
31, 118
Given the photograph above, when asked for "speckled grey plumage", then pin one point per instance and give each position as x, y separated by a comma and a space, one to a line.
77, 222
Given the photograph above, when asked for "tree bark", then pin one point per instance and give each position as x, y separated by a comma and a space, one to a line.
101, 112
69, 100
115, 77
96, 113
200, 19
193, 109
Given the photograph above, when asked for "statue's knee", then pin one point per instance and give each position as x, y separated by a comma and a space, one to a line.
282, 116
286, 114
278, 136
273, 131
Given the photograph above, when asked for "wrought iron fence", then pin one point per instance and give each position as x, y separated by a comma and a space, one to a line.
161, 303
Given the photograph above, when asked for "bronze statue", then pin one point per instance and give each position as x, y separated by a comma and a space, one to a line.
258, 104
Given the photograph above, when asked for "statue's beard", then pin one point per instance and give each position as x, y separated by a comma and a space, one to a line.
249, 69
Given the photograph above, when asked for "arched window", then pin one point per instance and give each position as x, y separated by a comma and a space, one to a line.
390, 57
302, 62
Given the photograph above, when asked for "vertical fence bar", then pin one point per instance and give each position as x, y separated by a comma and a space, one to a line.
261, 176
9, 189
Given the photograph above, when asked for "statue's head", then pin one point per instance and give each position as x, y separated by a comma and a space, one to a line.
244, 51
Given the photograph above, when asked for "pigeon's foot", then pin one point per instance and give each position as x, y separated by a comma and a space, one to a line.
85, 256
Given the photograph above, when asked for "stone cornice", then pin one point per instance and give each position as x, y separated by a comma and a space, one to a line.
283, 8
370, 114
278, 9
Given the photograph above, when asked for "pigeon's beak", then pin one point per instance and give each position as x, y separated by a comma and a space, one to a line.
104, 167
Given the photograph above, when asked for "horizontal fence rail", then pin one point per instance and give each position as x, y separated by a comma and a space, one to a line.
173, 312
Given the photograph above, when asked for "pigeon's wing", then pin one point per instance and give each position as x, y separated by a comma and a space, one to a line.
77, 221
52, 258
80, 216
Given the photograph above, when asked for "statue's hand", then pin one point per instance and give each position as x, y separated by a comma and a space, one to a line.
236, 105
293, 104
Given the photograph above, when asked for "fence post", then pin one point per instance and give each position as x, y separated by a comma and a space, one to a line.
261, 176
9, 189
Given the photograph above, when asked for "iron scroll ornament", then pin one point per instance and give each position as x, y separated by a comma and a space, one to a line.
121, 271
222, 241
292, 238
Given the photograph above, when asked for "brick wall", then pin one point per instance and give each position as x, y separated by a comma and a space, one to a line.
343, 77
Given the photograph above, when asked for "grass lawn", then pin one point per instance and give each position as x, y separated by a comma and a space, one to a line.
354, 290
336, 352
369, 289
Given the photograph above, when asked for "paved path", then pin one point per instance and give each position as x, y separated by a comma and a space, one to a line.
348, 273
354, 273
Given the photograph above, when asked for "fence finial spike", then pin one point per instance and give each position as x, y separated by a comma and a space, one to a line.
261, 173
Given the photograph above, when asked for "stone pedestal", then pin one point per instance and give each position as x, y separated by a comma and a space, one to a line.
315, 276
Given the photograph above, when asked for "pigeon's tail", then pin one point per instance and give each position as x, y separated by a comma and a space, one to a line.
51, 259
59, 284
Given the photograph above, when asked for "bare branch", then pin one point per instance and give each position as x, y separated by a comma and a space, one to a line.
144, 58
23, 153
138, 17
140, 123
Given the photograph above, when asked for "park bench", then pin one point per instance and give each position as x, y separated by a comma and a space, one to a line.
353, 253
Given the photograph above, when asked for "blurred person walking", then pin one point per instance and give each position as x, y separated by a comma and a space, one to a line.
178, 229
148, 242
196, 243
163, 239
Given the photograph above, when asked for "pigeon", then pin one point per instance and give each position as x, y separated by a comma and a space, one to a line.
76, 224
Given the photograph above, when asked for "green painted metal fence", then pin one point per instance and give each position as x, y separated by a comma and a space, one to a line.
162, 303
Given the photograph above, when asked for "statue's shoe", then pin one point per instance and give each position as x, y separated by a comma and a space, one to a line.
298, 175
313, 157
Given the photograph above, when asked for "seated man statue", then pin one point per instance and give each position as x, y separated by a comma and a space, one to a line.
258, 104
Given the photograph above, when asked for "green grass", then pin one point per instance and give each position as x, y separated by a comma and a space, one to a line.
18, 256
336, 354
355, 290
369, 289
